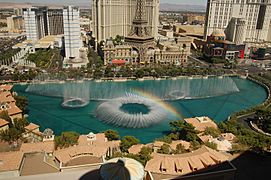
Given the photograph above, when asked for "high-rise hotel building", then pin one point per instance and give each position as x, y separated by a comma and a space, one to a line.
55, 21
72, 31
41, 21
36, 24
114, 17
241, 20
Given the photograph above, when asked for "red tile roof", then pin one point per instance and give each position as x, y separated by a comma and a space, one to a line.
6, 87
3, 122
184, 163
200, 123
31, 127
46, 146
10, 161
6, 97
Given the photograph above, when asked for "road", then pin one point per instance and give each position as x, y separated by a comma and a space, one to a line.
198, 61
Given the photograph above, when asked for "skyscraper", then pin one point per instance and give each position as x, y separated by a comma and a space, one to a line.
15, 23
114, 17
242, 20
41, 21
55, 21
71, 31
36, 24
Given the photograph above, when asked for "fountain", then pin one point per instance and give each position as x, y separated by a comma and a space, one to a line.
76, 95
169, 90
74, 103
131, 111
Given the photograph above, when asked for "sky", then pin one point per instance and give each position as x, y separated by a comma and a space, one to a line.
194, 2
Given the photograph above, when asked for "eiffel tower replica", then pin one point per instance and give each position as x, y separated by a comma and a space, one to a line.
139, 37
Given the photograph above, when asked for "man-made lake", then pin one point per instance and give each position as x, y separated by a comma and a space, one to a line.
214, 97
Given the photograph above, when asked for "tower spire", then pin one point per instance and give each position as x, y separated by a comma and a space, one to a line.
140, 12
140, 23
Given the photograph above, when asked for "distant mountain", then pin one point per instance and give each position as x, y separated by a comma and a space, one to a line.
182, 7
163, 6
23, 5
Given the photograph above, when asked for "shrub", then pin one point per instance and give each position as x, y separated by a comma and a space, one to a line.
66, 139
112, 135
127, 142
165, 149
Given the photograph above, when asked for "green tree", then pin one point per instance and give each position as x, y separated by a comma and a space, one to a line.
184, 130
4, 115
211, 145
165, 149
98, 73
246, 137
194, 145
21, 102
8, 54
19, 124
127, 142
212, 131
66, 139
145, 154
112, 135
166, 139
180, 149
263, 119
10, 135
108, 72
139, 73
237, 148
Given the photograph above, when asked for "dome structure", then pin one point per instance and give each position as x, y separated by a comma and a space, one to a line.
122, 169
91, 136
218, 35
218, 32
48, 132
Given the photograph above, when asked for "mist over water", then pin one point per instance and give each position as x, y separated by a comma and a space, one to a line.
164, 89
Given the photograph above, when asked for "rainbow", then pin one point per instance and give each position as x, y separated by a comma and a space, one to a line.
162, 103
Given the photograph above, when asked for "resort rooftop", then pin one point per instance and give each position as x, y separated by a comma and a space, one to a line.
8, 103
3, 122
68, 154
13, 109
182, 164
5, 87
201, 123
31, 127
46, 146
6, 96
10, 161
135, 149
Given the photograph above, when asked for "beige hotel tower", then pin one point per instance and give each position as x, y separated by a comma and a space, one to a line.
244, 21
114, 17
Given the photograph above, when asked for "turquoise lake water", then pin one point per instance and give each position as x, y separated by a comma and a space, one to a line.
47, 111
